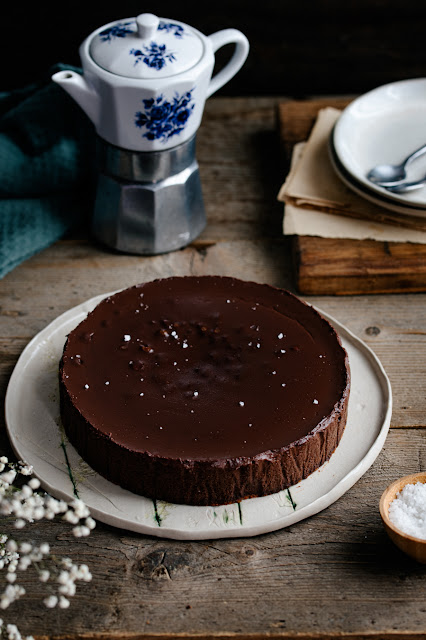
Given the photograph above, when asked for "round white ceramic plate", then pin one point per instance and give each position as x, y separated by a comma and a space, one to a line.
364, 192
33, 423
384, 126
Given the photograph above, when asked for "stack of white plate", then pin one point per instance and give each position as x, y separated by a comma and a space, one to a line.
383, 127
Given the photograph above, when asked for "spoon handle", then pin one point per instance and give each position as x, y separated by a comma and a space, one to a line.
406, 186
415, 154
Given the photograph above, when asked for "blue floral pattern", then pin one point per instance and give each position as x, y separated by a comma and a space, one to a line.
119, 30
176, 29
155, 55
162, 118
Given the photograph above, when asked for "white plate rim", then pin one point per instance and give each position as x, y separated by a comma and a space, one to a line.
339, 137
353, 475
351, 182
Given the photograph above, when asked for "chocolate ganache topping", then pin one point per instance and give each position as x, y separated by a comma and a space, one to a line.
185, 376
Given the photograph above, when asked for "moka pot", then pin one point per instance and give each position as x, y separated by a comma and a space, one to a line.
144, 84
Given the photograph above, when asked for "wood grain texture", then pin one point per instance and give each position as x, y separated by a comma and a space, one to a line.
358, 266
333, 575
280, 634
296, 118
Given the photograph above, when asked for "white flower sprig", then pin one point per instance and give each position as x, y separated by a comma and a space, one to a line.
11, 632
27, 504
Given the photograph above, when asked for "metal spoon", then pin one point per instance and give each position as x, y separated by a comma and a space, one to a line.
388, 175
402, 187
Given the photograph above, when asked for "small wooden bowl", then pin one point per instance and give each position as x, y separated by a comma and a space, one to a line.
414, 547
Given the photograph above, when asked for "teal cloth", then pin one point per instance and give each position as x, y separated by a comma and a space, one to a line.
47, 175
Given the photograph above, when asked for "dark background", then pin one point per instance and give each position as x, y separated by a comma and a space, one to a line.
298, 47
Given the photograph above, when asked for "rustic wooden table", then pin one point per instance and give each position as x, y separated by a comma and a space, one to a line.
335, 574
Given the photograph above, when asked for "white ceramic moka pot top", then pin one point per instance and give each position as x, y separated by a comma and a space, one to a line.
145, 79
148, 47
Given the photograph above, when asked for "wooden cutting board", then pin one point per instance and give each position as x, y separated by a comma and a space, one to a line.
343, 266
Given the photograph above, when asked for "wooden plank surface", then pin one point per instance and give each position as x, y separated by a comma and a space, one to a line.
333, 575
296, 118
357, 266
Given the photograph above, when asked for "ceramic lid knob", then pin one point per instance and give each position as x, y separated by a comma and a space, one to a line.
147, 24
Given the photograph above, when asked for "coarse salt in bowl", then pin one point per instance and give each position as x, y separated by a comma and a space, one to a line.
403, 511
408, 510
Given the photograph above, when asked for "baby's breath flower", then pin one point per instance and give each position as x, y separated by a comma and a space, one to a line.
64, 603
80, 509
11, 546
25, 548
10, 594
68, 589
38, 513
85, 573
63, 577
27, 504
81, 531
44, 575
12, 560
24, 563
50, 602
25, 469
71, 517
13, 633
26, 491
8, 476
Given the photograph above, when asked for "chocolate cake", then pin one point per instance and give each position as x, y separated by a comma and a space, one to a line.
204, 390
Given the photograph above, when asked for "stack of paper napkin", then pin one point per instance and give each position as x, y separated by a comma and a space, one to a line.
318, 203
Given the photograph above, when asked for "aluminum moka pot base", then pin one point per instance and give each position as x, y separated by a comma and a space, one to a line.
148, 202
